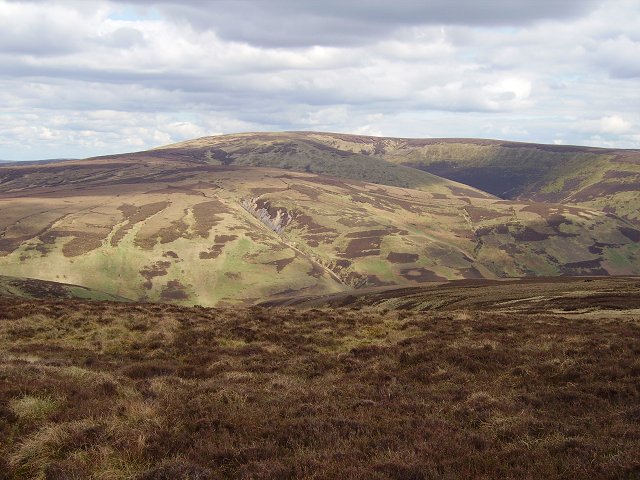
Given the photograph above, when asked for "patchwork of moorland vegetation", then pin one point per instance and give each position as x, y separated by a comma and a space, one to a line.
599, 178
239, 219
476, 380
367, 321
37, 289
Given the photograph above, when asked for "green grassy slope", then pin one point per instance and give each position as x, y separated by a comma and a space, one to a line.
604, 179
158, 229
296, 152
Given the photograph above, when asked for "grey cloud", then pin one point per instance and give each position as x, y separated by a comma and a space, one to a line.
126, 37
621, 56
299, 23
166, 71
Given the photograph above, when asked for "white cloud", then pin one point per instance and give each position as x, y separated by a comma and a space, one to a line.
81, 78
614, 124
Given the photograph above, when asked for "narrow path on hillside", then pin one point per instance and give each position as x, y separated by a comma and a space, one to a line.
282, 239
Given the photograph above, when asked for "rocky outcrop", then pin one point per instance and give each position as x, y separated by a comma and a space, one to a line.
274, 218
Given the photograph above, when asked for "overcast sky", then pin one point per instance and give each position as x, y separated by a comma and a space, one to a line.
81, 78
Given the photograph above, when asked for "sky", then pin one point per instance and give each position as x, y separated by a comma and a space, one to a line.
80, 77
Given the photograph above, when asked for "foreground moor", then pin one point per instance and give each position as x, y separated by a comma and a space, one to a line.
319, 305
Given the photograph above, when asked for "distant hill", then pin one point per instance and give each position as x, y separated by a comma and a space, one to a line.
289, 151
180, 225
32, 162
605, 179
570, 295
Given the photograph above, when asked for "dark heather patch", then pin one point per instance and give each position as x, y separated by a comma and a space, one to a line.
176, 229
571, 184
343, 263
256, 236
555, 220
362, 247
595, 263
586, 267
257, 192
600, 301
346, 185
158, 269
478, 214
82, 243
316, 270
170, 254
213, 252
280, 264
367, 234
8, 245
355, 221
206, 216
360, 198
220, 155
510, 248
631, 233
174, 290
312, 232
41, 288
498, 181
359, 280
603, 189
312, 193
374, 281
616, 175
597, 248
395, 257
135, 214
216, 249
421, 275
492, 230
470, 273
528, 234
225, 238
173, 189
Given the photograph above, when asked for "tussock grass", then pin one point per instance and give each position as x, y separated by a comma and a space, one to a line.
372, 393
32, 407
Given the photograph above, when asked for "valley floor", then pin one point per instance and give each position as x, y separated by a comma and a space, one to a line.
150, 391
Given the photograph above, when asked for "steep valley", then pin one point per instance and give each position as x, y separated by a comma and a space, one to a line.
158, 227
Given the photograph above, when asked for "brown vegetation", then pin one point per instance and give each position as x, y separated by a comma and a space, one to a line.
105, 390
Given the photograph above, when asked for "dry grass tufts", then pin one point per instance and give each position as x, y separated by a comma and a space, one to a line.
32, 407
322, 393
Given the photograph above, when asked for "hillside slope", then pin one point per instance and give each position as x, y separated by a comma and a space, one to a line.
157, 229
572, 296
290, 151
30, 288
145, 391
604, 179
